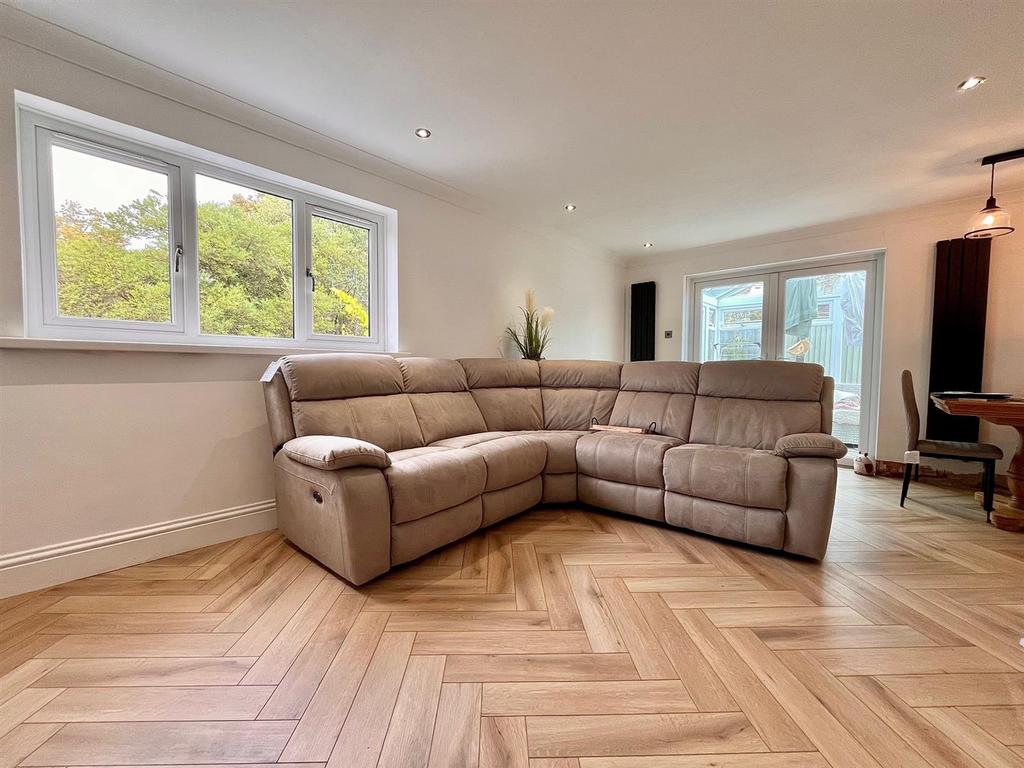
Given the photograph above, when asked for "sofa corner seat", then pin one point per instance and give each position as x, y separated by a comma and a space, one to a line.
379, 461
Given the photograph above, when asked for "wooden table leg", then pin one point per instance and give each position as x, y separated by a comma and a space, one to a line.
1010, 516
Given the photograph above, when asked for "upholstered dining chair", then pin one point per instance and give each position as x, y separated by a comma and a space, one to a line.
986, 453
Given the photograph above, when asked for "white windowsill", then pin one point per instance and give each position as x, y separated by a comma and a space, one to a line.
24, 342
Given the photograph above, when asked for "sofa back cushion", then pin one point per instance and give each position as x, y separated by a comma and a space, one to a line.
661, 393
507, 392
417, 401
337, 375
575, 392
432, 374
440, 398
360, 396
384, 420
751, 404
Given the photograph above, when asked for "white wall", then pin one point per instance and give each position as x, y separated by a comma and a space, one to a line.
93, 442
908, 238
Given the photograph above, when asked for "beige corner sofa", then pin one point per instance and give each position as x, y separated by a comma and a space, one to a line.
380, 460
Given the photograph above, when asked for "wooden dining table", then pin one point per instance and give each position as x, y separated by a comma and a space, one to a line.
1009, 513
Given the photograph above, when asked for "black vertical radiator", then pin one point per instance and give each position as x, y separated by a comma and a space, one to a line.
641, 321
958, 331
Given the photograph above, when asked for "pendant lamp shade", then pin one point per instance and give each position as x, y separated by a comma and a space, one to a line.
991, 221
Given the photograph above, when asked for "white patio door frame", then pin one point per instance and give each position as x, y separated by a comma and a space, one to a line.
774, 313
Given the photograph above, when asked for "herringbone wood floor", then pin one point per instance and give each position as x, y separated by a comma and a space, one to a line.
561, 638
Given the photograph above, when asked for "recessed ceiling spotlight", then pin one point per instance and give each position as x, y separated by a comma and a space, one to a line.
423, 133
570, 207
972, 82
648, 245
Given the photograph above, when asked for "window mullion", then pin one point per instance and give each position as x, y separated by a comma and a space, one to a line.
302, 261
176, 241
377, 283
772, 319
190, 244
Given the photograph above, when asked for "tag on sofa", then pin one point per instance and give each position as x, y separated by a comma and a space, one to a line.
627, 430
270, 372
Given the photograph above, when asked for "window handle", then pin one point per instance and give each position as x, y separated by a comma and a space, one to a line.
178, 253
311, 276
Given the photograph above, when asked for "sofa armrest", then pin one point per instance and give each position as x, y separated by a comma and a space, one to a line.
331, 452
340, 517
810, 445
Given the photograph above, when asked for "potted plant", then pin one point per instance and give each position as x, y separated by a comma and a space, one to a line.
532, 335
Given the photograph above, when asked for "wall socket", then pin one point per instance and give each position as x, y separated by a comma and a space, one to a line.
668, 334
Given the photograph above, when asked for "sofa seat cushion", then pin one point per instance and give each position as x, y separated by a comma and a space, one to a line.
410, 453
620, 457
561, 445
475, 438
510, 460
426, 480
742, 476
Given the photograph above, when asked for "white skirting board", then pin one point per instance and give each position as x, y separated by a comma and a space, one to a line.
45, 566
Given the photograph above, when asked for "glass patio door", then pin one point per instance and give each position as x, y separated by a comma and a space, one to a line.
826, 318
822, 314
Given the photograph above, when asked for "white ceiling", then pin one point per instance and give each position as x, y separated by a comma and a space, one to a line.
680, 122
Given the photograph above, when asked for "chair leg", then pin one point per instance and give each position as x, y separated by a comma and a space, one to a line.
917, 472
989, 488
907, 471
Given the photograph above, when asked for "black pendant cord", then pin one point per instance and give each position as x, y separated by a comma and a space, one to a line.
991, 202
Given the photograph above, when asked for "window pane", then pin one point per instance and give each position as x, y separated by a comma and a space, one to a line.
341, 264
112, 230
824, 324
245, 260
730, 321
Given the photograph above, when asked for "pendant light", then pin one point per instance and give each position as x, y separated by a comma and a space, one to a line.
992, 221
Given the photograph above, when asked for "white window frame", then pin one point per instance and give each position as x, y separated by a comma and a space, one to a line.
42, 124
376, 295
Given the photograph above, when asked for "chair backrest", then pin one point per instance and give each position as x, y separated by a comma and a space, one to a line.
910, 406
